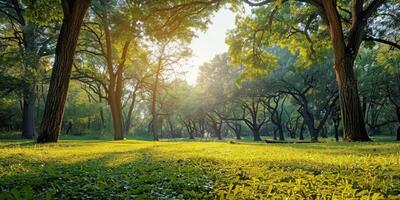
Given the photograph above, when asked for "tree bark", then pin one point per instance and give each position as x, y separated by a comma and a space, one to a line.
301, 136
256, 134
154, 114
116, 117
352, 114
336, 122
398, 118
74, 12
238, 130
28, 115
30, 59
128, 121
344, 56
171, 126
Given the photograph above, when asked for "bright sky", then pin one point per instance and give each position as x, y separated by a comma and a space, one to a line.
210, 43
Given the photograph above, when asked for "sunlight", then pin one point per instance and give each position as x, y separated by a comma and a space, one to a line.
209, 43
199, 99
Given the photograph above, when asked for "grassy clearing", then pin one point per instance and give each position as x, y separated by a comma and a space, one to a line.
199, 170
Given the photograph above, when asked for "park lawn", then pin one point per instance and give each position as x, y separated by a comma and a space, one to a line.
131, 169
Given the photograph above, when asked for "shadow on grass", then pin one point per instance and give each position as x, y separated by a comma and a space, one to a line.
150, 173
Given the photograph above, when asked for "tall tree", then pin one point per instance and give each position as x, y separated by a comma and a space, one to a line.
29, 32
167, 55
74, 12
115, 28
347, 25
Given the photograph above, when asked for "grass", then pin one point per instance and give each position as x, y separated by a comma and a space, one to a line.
131, 169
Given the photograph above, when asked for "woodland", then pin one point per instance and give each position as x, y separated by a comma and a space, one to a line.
95, 102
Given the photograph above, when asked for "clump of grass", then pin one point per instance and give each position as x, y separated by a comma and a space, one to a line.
198, 170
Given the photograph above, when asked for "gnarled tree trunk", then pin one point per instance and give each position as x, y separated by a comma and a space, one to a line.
74, 11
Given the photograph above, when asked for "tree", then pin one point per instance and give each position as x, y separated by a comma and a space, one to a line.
216, 82
274, 105
115, 30
168, 54
254, 114
74, 12
347, 25
28, 37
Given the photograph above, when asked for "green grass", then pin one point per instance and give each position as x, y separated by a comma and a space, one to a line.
100, 169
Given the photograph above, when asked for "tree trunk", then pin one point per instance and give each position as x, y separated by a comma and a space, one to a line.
336, 125
30, 61
344, 56
256, 134
28, 116
189, 129
237, 133
171, 127
398, 118
128, 120
280, 131
309, 122
116, 117
237, 130
191, 137
154, 114
352, 115
301, 136
102, 121
274, 134
313, 135
74, 12
217, 129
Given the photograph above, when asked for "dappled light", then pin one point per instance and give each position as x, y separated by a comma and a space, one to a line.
201, 170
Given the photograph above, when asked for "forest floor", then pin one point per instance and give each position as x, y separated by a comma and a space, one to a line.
132, 169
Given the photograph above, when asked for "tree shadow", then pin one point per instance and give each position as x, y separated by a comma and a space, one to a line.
150, 172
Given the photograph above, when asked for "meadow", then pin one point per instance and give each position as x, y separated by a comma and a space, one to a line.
133, 169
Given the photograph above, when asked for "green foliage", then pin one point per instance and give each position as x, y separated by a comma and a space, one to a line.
194, 170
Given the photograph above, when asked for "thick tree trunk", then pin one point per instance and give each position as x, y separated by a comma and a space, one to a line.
256, 134
314, 135
237, 133
116, 117
344, 56
74, 12
28, 116
280, 131
352, 114
30, 61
